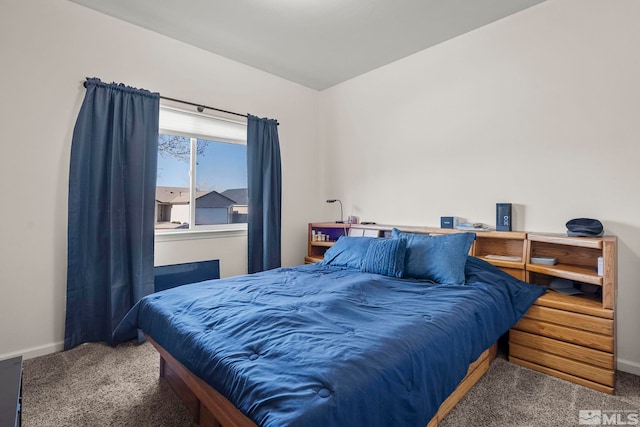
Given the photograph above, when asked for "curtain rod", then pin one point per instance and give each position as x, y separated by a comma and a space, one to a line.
201, 107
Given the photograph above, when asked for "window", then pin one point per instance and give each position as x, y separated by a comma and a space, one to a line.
202, 172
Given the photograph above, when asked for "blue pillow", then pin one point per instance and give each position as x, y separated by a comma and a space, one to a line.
438, 258
348, 252
385, 256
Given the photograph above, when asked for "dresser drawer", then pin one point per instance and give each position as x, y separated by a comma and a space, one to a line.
573, 320
563, 333
563, 364
590, 356
562, 375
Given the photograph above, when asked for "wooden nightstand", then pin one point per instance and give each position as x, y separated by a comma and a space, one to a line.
570, 336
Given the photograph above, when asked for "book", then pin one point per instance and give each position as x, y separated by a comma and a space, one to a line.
473, 226
564, 286
504, 257
543, 260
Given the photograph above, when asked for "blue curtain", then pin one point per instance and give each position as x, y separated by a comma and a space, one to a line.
112, 180
265, 194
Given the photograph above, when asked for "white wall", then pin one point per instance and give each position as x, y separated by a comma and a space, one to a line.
48, 47
180, 213
541, 109
230, 248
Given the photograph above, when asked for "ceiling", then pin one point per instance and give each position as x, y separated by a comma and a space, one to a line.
316, 43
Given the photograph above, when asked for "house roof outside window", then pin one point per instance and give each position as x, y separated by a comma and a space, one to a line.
204, 199
238, 195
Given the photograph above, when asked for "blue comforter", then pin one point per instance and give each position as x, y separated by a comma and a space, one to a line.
322, 346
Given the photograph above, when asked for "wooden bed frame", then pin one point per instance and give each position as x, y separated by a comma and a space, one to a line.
211, 409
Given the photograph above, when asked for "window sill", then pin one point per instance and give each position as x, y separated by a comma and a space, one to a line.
171, 236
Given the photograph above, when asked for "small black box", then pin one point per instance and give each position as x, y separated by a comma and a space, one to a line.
448, 222
503, 216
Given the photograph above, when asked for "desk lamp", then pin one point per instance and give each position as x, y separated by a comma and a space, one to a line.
333, 201
341, 215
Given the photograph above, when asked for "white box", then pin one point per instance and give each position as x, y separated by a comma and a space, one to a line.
600, 266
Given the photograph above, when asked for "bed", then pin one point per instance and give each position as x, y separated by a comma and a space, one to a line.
357, 340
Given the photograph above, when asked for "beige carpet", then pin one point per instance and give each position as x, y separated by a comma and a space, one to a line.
510, 395
97, 385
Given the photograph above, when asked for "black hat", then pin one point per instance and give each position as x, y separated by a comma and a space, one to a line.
584, 227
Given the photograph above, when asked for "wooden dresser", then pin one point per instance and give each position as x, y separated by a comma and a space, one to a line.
570, 336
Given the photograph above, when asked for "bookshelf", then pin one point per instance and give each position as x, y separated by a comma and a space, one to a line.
504, 249
488, 244
317, 248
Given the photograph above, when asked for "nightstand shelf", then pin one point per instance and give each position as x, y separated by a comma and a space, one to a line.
567, 271
312, 259
491, 245
326, 244
515, 265
332, 231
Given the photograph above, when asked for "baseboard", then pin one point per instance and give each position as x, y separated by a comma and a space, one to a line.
30, 353
628, 366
